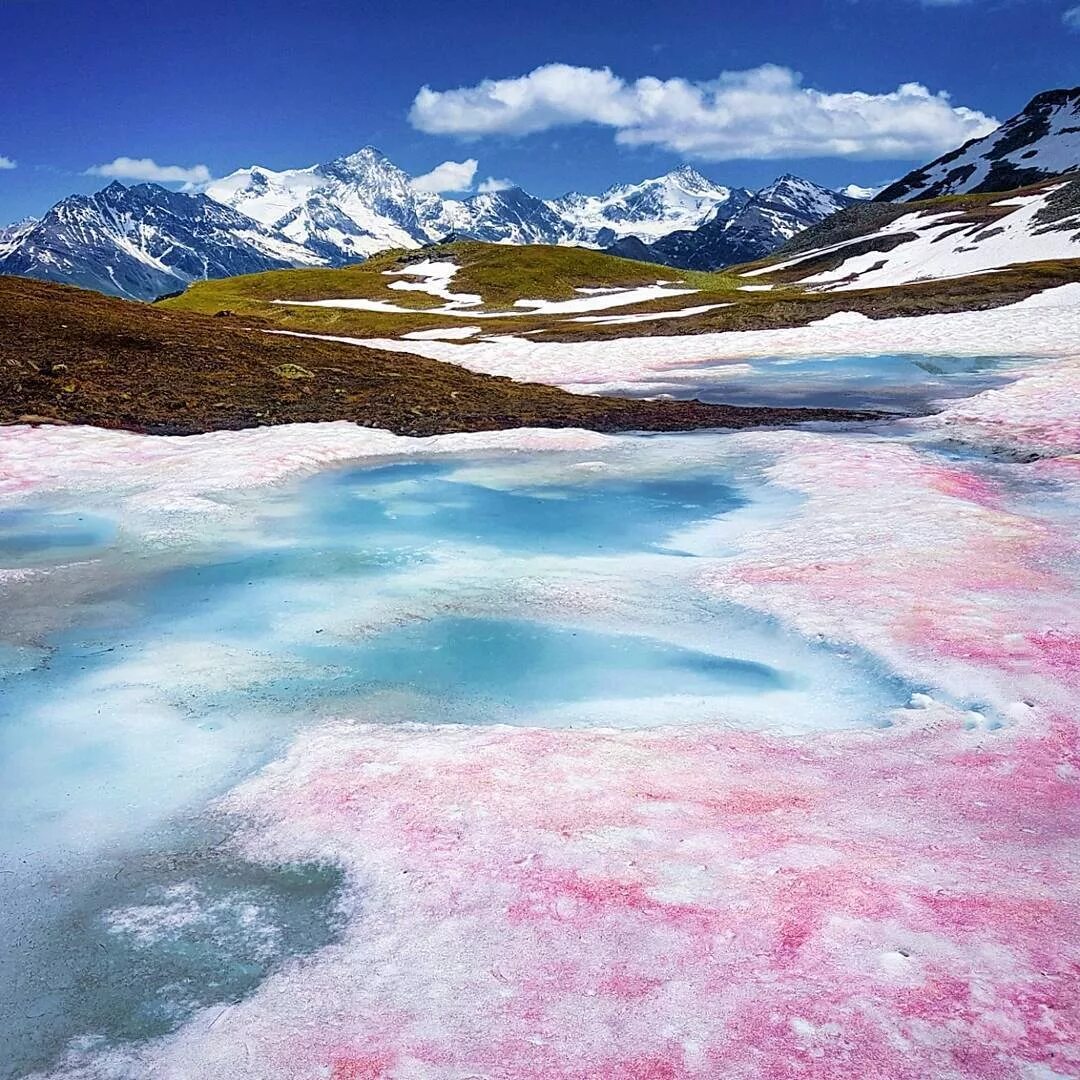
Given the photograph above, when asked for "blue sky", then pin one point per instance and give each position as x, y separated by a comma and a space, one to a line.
286, 83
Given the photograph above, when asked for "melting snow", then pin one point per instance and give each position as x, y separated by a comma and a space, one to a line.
647, 316
442, 333
942, 248
687, 901
1044, 325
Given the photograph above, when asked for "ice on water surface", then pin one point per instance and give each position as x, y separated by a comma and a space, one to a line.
455, 760
898, 383
486, 591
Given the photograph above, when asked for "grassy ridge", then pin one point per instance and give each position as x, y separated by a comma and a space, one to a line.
504, 273
499, 273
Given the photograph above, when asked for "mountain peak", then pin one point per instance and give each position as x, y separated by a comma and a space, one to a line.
366, 155
688, 173
1037, 143
1054, 99
367, 167
787, 179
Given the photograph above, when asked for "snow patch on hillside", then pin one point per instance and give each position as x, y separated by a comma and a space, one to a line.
944, 245
436, 278
1045, 325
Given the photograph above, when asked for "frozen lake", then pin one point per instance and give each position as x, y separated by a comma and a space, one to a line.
529, 744
892, 382
392, 593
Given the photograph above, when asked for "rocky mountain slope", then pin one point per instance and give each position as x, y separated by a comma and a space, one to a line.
143, 241
878, 245
512, 216
762, 224
1040, 142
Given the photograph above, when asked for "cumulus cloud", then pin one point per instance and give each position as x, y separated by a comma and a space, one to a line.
6, 162
764, 112
494, 183
1071, 18
125, 168
449, 176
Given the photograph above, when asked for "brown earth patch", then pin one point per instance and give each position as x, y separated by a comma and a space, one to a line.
72, 356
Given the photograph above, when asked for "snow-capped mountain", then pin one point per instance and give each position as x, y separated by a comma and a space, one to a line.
1038, 143
511, 216
762, 224
345, 210
682, 199
363, 203
143, 241
10, 235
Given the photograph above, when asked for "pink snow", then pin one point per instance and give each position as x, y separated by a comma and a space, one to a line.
698, 901
678, 903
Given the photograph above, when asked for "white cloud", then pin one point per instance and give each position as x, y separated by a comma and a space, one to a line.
765, 112
6, 162
1071, 18
125, 168
494, 183
449, 176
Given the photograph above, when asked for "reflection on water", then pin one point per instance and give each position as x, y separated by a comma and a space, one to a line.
32, 537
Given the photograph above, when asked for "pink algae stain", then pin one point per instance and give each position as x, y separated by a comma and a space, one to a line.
544, 892
1060, 652
966, 914
642, 1069
628, 985
760, 1043
959, 484
545, 888
736, 803
361, 1067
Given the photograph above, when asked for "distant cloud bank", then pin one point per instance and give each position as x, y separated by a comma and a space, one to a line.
6, 162
764, 112
126, 168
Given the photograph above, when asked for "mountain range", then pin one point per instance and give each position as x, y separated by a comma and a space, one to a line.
144, 241
759, 224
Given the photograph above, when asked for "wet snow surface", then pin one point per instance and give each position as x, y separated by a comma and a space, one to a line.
329, 753
901, 383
